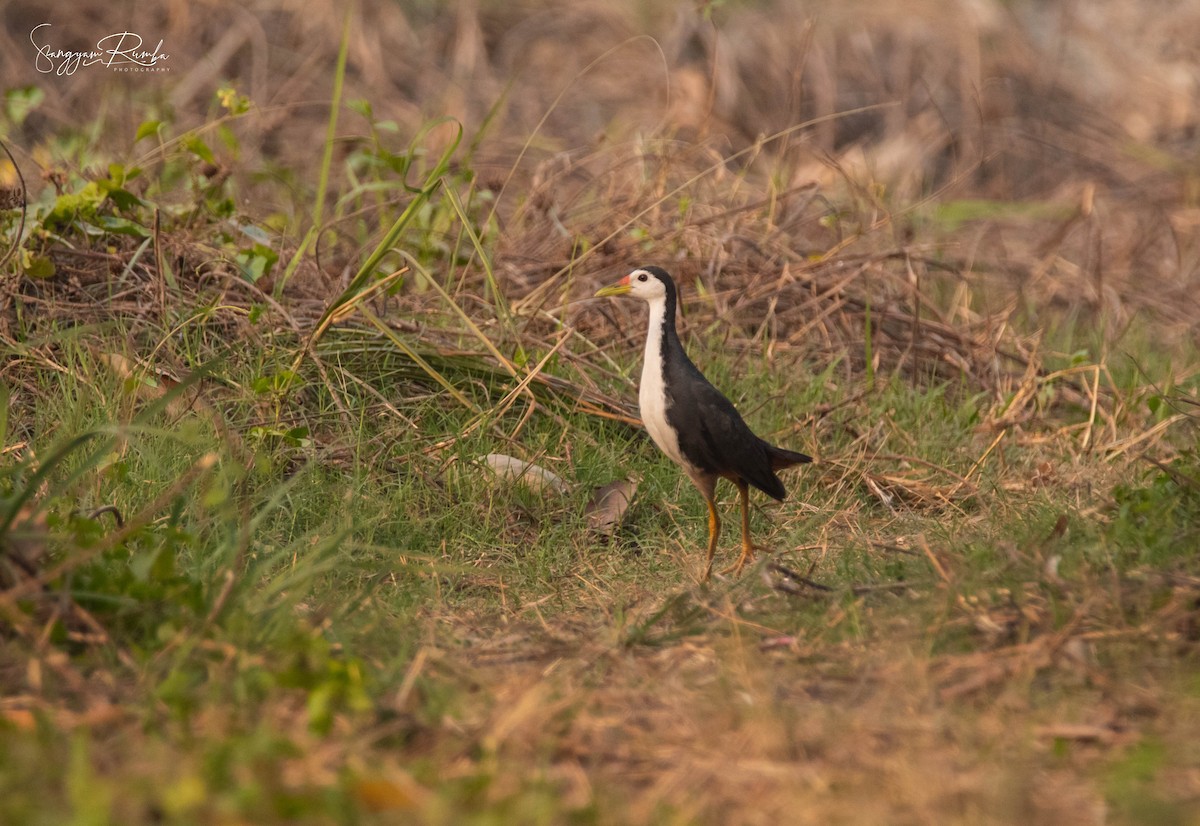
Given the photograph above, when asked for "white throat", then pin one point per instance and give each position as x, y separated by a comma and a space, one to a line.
652, 392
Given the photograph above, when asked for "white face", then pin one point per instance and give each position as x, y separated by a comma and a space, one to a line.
645, 286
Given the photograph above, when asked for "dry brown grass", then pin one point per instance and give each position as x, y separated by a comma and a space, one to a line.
1090, 112
753, 726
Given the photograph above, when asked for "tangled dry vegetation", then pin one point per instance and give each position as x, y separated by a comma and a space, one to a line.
945, 169
941, 192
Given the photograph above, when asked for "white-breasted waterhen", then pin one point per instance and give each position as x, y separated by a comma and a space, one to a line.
691, 421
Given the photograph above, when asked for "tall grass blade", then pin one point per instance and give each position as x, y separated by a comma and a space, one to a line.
339, 78
417, 359
493, 287
466, 319
432, 181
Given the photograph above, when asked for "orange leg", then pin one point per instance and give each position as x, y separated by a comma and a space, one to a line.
714, 530
747, 544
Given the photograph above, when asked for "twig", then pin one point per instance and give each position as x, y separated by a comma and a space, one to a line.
24, 208
795, 576
979, 462
937, 563
110, 509
793, 580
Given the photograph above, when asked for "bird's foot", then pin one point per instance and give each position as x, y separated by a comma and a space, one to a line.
747, 555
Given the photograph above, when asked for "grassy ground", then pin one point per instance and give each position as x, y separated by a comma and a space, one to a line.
257, 566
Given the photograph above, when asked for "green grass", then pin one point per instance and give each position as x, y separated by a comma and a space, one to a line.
260, 624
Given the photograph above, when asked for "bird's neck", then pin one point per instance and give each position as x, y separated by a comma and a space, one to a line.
661, 338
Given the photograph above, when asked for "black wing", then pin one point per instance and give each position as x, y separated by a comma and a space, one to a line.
712, 434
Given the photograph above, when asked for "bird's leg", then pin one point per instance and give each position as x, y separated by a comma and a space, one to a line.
747, 544
714, 530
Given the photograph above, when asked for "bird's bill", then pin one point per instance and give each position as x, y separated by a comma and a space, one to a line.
620, 288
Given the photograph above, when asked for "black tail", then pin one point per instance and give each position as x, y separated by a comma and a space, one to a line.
781, 458
767, 481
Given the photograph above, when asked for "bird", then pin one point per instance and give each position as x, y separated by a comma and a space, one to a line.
692, 422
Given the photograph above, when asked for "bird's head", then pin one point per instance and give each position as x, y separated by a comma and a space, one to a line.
646, 283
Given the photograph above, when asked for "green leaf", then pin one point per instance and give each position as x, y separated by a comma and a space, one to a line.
297, 437
228, 138
193, 144
19, 102
71, 205
37, 266
122, 226
147, 128
320, 707
122, 198
119, 174
520, 357
256, 262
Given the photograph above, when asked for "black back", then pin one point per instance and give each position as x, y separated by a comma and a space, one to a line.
712, 434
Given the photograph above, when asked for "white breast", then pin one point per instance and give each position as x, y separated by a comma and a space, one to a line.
652, 393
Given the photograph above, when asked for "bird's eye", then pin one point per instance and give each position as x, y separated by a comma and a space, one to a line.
642, 277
